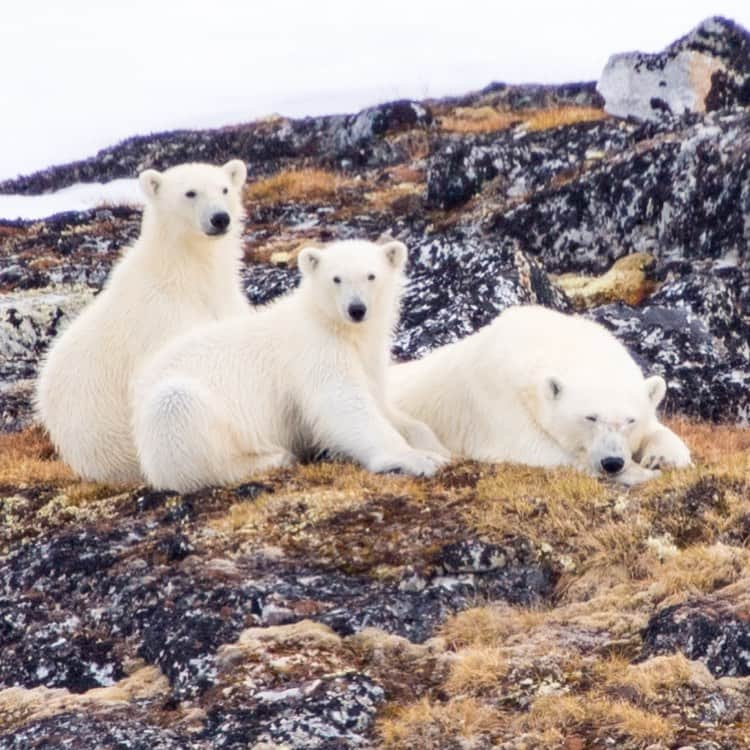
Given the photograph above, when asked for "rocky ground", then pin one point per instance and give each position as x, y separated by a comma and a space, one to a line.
490, 607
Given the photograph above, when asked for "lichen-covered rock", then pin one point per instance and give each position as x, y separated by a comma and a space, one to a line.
715, 630
707, 69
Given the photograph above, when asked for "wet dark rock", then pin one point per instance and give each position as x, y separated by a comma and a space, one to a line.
705, 70
712, 630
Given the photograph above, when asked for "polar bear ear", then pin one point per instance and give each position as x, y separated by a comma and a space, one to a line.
308, 259
656, 389
237, 172
395, 253
552, 388
150, 182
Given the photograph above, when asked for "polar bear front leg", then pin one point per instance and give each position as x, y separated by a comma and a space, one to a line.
348, 421
663, 449
418, 434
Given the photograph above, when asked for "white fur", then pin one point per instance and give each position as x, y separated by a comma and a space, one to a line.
300, 375
541, 388
175, 277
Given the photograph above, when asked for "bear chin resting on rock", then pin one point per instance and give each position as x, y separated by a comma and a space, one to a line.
545, 389
305, 373
182, 271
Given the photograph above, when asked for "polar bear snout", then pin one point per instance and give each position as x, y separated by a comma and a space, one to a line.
357, 311
612, 464
217, 224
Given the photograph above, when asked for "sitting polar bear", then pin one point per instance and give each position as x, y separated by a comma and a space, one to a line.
182, 271
306, 372
541, 388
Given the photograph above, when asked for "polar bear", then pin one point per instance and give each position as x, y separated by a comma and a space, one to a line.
542, 388
182, 271
306, 372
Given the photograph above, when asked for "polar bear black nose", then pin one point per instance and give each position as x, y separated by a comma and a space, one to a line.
357, 311
612, 464
220, 220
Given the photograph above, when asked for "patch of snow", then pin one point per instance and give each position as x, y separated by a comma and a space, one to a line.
79, 197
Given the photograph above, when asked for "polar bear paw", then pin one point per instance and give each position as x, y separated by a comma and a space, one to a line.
415, 462
665, 450
634, 474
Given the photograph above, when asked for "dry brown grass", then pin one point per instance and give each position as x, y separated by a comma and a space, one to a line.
395, 197
562, 711
476, 671
478, 120
297, 186
488, 626
700, 569
430, 725
558, 117
487, 119
544, 505
652, 679
29, 457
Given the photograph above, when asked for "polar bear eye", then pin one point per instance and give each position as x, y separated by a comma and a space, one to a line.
336, 280
225, 190
592, 418
190, 194
630, 420
371, 277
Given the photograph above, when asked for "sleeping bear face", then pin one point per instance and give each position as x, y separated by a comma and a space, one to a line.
354, 281
201, 201
601, 425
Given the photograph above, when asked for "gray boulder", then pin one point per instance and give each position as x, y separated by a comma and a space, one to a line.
707, 69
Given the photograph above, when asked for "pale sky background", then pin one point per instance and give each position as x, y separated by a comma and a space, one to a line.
79, 75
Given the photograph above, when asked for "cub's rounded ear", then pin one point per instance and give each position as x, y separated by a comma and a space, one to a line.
656, 389
237, 172
395, 253
552, 388
150, 181
308, 259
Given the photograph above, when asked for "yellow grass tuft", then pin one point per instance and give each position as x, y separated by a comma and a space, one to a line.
428, 725
700, 569
488, 626
478, 120
571, 711
487, 119
28, 457
558, 117
297, 185
651, 679
476, 671
542, 504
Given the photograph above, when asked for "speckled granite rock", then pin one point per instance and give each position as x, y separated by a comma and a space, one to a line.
714, 629
707, 69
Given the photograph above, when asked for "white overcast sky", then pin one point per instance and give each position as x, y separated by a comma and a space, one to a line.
78, 75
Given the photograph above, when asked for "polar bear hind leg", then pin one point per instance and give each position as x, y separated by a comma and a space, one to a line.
185, 442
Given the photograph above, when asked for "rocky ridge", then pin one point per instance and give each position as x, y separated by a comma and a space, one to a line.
490, 607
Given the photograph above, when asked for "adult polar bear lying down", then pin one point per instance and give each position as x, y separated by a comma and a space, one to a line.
305, 372
183, 271
545, 389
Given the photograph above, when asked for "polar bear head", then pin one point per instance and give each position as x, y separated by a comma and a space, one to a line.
196, 200
601, 424
353, 282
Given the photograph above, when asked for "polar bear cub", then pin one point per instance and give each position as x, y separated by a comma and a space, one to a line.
182, 271
306, 372
546, 389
